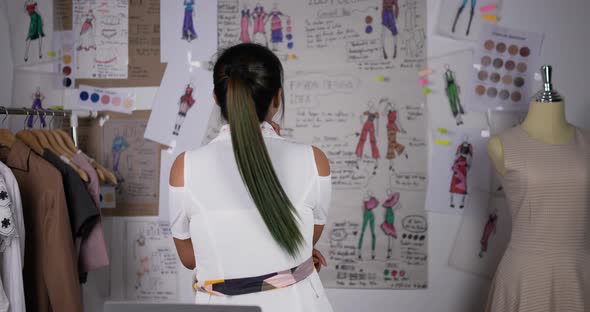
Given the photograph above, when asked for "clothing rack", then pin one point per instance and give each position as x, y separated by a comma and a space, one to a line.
73, 115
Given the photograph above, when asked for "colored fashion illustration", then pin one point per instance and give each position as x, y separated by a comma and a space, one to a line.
388, 226
38, 98
86, 40
460, 169
186, 102
394, 149
369, 204
119, 145
370, 117
452, 91
460, 10
35, 28
488, 230
143, 260
276, 28
245, 24
259, 31
188, 27
389, 15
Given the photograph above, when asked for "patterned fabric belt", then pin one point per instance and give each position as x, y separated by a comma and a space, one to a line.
248, 285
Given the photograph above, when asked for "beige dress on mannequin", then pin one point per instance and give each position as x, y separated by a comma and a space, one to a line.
546, 179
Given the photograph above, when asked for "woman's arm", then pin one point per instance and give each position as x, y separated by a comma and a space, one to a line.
184, 247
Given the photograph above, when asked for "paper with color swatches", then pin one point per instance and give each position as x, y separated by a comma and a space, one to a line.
98, 99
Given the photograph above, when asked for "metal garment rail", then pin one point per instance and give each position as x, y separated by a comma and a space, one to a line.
50, 112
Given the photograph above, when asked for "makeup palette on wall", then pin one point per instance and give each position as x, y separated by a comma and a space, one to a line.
99, 99
504, 65
64, 41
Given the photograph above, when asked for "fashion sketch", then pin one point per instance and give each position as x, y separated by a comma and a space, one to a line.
38, 98
143, 261
245, 24
390, 13
394, 148
188, 26
460, 169
35, 28
369, 203
119, 145
460, 10
488, 229
86, 40
186, 102
276, 27
388, 226
368, 119
259, 31
452, 91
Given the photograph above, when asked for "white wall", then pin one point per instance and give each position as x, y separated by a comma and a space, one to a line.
566, 47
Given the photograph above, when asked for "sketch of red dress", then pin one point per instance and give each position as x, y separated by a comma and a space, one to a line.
259, 31
393, 146
460, 168
244, 35
488, 229
86, 40
186, 102
368, 129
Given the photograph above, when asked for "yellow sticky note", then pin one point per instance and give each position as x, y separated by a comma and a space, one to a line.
51, 53
380, 78
489, 17
442, 142
57, 107
442, 130
426, 90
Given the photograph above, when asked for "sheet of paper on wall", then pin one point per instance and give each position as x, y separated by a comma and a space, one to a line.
144, 67
134, 161
31, 31
101, 28
362, 34
449, 83
36, 90
182, 107
460, 172
504, 66
482, 239
151, 264
464, 19
188, 30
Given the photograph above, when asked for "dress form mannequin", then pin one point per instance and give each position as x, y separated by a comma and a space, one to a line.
544, 122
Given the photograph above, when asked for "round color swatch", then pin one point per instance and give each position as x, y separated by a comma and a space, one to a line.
480, 90
289, 29
488, 45
495, 77
289, 37
482, 75
498, 63
369, 29
516, 96
492, 92
84, 96
67, 82
290, 45
510, 64
521, 67
519, 81
67, 59
504, 94
116, 101
368, 19
128, 103
94, 97
501, 47
67, 70
486, 61
105, 99
507, 80
525, 51
513, 49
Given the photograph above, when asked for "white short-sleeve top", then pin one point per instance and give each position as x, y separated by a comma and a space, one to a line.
215, 210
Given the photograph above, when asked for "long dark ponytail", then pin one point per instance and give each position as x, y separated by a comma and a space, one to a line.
247, 79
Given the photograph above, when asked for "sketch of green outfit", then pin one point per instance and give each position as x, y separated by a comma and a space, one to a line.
368, 218
35, 28
452, 91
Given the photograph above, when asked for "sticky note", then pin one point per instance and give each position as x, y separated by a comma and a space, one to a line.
487, 8
442, 142
425, 72
442, 130
380, 78
423, 81
57, 107
426, 90
489, 17
51, 53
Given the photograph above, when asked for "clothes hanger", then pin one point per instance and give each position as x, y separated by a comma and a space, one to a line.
28, 138
6, 136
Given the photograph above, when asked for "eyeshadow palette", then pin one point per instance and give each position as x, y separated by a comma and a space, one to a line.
505, 61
